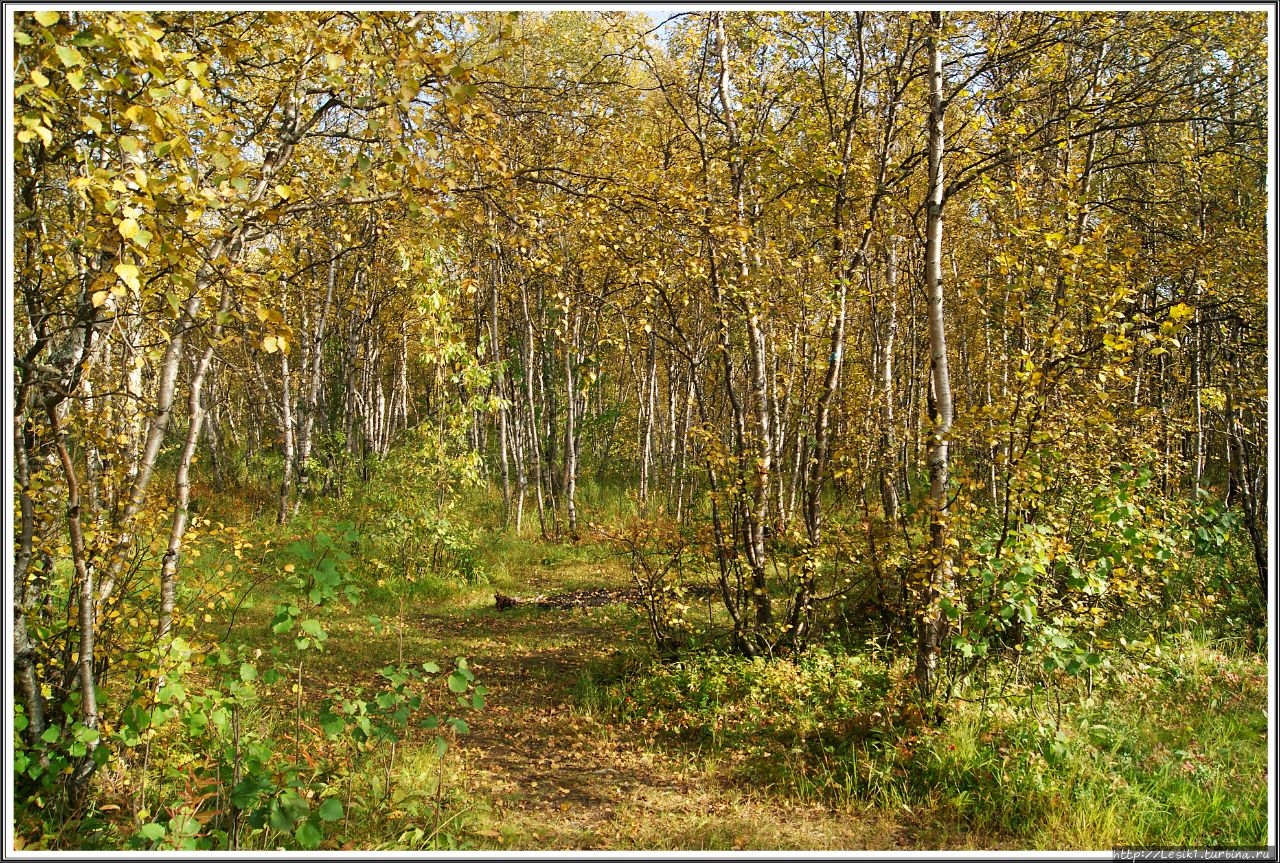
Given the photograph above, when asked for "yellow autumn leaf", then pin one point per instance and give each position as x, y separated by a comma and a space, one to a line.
47, 18
129, 228
38, 78
269, 344
128, 274
284, 192
69, 56
100, 297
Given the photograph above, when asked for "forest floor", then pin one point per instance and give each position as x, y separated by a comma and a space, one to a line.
550, 762
559, 777
542, 769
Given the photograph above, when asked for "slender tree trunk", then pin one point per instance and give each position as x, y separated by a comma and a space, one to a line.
1240, 479
570, 429
306, 428
182, 479
889, 456
649, 406
502, 411
24, 654
518, 454
1197, 458
762, 447
938, 583
287, 447
85, 602
535, 448
182, 488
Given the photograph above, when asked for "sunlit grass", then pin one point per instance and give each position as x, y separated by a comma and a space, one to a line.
1170, 750
821, 751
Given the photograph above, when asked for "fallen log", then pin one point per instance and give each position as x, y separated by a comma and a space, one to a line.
589, 598
592, 597
503, 602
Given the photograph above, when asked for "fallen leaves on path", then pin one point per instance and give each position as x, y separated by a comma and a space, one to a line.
561, 778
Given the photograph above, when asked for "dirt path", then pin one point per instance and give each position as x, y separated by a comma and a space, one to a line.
557, 777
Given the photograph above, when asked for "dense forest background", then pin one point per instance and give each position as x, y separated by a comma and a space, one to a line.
940, 335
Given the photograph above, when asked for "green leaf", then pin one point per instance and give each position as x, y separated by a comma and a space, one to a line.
248, 672
331, 809
313, 628
152, 832
327, 575
457, 682
282, 625
280, 820
248, 791
332, 724
309, 836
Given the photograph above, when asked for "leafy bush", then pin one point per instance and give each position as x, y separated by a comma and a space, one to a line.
757, 706
219, 735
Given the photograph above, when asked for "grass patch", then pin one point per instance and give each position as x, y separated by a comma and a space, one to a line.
1169, 750
589, 741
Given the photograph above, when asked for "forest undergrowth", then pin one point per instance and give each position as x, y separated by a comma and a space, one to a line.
344, 732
